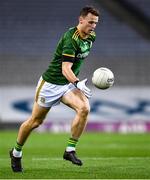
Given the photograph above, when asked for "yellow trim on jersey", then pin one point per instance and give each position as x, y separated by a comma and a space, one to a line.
38, 90
69, 55
93, 33
76, 35
80, 34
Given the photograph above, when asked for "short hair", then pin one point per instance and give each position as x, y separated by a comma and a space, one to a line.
89, 9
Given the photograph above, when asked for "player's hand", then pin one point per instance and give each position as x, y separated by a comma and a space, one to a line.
82, 86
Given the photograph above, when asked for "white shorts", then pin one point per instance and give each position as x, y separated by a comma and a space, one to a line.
48, 94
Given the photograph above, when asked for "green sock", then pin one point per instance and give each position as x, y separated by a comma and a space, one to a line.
71, 144
18, 146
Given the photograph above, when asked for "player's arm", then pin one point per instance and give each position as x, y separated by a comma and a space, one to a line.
68, 73
71, 77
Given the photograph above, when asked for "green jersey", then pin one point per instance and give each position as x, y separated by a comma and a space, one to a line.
70, 48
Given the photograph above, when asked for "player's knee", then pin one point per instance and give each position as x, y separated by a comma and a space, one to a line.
35, 122
84, 110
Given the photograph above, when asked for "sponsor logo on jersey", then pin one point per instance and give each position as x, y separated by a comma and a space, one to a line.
83, 55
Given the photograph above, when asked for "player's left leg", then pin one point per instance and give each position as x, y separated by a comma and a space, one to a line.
79, 102
36, 118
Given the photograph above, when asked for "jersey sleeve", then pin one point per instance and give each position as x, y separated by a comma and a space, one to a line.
69, 49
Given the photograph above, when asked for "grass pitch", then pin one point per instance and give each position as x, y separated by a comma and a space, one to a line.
105, 156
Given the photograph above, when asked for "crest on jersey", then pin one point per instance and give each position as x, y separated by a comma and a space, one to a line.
42, 99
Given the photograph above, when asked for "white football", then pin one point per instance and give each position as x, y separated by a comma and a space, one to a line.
103, 78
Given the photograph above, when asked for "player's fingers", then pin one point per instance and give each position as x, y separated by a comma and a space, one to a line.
87, 89
88, 94
85, 80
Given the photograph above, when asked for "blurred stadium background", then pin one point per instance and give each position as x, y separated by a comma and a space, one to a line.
29, 32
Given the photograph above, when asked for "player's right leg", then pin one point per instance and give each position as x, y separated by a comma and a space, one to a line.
80, 103
37, 117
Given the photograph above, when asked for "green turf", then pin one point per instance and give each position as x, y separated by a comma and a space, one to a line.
105, 156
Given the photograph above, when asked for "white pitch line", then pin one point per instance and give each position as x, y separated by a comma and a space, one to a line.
93, 158
85, 158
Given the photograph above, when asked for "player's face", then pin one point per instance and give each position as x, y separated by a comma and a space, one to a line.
88, 23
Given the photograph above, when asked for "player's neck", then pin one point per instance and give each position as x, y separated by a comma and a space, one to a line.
83, 35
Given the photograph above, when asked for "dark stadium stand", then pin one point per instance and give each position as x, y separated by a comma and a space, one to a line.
30, 30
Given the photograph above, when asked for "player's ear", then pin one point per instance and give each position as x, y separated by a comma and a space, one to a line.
80, 19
